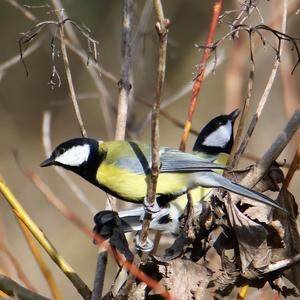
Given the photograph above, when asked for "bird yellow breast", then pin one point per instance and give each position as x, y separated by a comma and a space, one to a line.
133, 187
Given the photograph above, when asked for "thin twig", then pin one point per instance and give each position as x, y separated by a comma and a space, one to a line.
283, 264
199, 79
259, 169
45, 243
232, 161
21, 274
95, 72
266, 92
70, 80
23, 10
16, 59
16, 291
40, 261
234, 79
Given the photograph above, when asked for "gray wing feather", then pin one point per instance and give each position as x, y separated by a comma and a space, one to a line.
173, 160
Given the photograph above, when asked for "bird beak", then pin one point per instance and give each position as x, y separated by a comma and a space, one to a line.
234, 114
47, 162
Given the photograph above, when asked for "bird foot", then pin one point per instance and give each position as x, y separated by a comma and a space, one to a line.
144, 247
151, 208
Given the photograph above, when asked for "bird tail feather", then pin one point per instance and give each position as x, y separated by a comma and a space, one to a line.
236, 188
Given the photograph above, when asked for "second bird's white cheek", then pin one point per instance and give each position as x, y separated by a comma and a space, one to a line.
220, 137
75, 156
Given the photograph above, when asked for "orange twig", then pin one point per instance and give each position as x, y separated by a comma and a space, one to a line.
198, 81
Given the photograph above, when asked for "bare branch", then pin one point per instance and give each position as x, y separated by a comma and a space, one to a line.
162, 29
70, 81
16, 59
126, 69
13, 289
233, 157
99, 276
199, 79
23, 10
266, 92
256, 173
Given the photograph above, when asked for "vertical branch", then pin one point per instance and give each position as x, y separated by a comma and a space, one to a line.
124, 90
162, 30
198, 81
99, 275
234, 79
234, 156
124, 83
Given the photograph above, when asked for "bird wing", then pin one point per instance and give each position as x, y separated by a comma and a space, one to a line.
136, 158
173, 160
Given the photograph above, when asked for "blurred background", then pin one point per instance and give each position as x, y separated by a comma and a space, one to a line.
23, 100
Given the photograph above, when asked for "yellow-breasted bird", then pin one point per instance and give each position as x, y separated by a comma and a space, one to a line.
122, 168
214, 144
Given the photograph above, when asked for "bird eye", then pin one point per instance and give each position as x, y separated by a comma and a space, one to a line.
60, 151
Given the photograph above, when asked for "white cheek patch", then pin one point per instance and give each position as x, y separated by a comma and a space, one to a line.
75, 156
220, 137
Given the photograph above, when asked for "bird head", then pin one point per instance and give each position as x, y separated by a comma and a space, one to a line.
73, 154
217, 135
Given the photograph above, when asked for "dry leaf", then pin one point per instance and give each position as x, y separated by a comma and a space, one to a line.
187, 280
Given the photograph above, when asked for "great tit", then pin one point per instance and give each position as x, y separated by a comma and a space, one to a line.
214, 143
122, 169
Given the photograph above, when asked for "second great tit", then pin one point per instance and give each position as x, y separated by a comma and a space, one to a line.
122, 169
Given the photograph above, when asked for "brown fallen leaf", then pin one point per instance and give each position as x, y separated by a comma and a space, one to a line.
186, 279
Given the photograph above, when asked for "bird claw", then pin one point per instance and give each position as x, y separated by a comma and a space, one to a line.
144, 247
151, 208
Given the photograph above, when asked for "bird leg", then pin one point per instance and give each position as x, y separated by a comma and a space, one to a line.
144, 247
151, 208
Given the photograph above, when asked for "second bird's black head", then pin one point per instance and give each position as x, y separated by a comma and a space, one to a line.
217, 135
